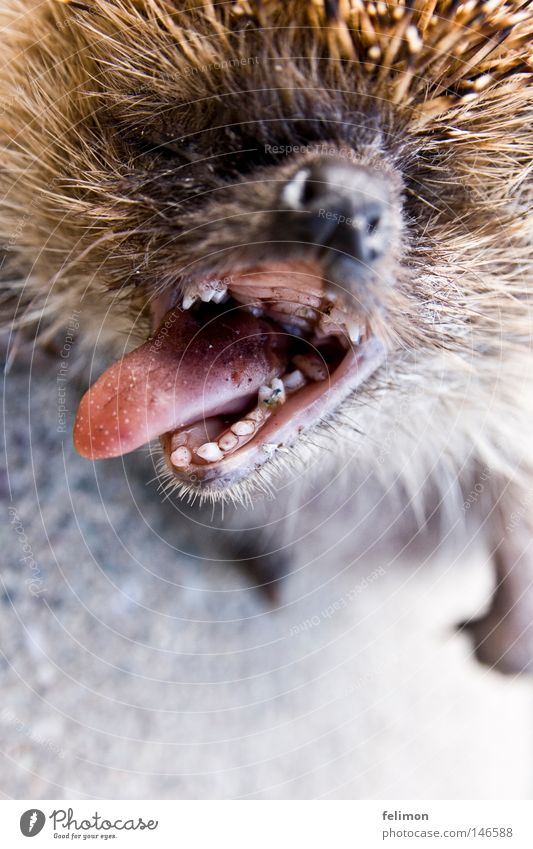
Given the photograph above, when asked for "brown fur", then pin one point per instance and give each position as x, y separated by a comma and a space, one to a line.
106, 103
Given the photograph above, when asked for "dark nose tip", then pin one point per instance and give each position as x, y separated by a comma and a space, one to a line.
339, 206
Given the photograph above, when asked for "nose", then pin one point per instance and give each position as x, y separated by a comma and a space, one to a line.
339, 206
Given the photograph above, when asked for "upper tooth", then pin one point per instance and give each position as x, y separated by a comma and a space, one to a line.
213, 290
354, 331
330, 295
206, 294
188, 301
255, 309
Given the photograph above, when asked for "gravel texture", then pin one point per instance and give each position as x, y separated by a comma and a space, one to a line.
133, 666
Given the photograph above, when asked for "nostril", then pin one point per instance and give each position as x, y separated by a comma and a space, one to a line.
340, 207
372, 224
312, 191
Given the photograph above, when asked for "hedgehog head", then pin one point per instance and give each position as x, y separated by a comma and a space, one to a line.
318, 213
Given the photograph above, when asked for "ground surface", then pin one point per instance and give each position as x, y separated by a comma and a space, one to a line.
134, 667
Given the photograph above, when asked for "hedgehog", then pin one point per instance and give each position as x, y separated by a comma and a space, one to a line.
298, 228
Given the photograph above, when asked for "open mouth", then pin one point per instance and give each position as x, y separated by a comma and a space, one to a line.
234, 372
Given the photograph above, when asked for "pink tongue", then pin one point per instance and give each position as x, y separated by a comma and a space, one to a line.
185, 372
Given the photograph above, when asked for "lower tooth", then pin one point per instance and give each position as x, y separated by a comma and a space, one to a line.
188, 301
242, 428
273, 394
181, 457
228, 441
294, 381
210, 451
312, 366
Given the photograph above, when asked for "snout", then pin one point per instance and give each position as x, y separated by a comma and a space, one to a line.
342, 209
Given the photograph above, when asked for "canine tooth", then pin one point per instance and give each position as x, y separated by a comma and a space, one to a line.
242, 428
294, 381
228, 441
354, 332
311, 365
181, 456
210, 451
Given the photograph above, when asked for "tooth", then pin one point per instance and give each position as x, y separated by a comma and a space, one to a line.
206, 294
215, 290
273, 394
255, 309
181, 456
294, 381
330, 295
220, 295
294, 329
256, 416
210, 451
354, 331
312, 366
242, 428
188, 301
228, 441
278, 390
